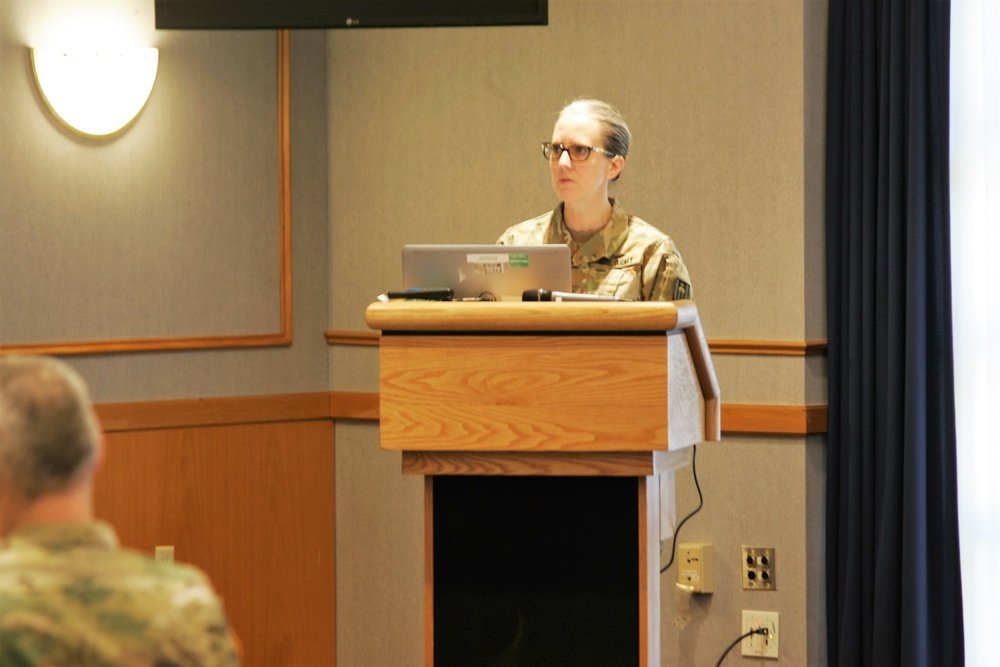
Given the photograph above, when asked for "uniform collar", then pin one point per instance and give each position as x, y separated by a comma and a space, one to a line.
63, 536
605, 244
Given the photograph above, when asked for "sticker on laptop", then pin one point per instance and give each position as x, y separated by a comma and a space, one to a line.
493, 263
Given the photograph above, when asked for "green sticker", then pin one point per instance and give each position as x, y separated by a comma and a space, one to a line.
519, 260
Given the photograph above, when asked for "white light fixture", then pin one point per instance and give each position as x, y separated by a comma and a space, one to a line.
93, 91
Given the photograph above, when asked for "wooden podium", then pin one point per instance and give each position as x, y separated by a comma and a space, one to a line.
543, 431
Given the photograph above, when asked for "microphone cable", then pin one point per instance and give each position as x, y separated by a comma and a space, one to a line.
701, 499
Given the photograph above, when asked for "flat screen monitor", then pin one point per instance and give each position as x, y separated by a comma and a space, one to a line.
346, 14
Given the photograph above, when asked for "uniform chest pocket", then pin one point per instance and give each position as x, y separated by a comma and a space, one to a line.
620, 277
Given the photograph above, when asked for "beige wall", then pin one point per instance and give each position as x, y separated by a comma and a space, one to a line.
168, 229
434, 137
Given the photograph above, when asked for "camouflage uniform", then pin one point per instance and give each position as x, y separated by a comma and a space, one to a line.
628, 257
70, 596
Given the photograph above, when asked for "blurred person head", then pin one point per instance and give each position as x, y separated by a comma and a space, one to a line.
50, 442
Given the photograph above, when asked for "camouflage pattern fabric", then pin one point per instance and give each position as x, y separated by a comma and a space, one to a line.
628, 258
70, 596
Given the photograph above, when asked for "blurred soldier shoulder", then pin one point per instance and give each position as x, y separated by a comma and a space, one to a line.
69, 594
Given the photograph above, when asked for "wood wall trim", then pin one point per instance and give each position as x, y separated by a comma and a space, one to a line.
774, 419
285, 183
283, 336
566, 464
353, 338
746, 347
187, 413
396, 316
737, 419
768, 347
354, 405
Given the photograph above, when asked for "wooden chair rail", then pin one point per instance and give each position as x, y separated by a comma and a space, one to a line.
733, 347
737, 419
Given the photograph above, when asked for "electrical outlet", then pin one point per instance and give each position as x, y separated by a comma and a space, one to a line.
759, 569
758, 645
164, 554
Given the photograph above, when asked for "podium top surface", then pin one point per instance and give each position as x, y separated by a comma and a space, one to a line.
452, 316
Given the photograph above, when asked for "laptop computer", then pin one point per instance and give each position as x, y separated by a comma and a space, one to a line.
487, 272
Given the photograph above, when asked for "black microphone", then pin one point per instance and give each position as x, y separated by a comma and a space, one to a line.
546, 295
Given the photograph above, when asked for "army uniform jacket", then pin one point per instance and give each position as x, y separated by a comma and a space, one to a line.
628, 257
70, 596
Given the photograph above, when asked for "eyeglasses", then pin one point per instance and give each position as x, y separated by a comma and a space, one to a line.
553, 151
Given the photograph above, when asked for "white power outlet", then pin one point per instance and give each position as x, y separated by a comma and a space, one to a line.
760, 646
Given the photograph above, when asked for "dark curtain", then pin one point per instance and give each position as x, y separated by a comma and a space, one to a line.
894, 592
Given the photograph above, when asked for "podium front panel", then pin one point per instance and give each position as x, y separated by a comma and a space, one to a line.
571, 393
544, 431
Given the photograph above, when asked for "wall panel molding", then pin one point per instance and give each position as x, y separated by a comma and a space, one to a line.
768, 347
773, 419
227, 411
353, 338
734, 347
283, 336
737, 419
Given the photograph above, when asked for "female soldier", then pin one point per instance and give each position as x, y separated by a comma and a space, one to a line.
613, 253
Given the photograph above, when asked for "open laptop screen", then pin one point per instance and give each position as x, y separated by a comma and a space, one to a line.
486, 271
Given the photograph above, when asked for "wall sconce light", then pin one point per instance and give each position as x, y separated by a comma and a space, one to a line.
93, 91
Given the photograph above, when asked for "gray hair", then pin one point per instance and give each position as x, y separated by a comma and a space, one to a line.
49, 433
613, 128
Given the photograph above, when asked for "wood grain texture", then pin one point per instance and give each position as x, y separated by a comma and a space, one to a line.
769, 347
523, 393
183, 413
566, 464
731, 347
364, 406
774, 419
356, 338
518, 376
452, 316
253, 506
354, 405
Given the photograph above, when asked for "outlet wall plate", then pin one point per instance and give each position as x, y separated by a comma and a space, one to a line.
759, 569
760, 646
695, 572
